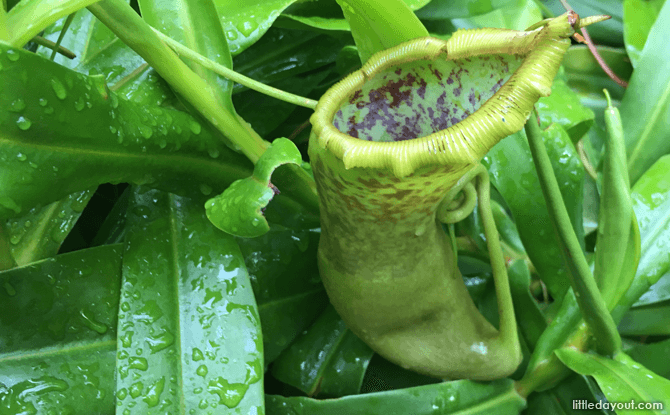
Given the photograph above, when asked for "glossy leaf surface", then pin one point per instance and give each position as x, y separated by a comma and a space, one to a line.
195, 24
328, 359
651, 203
563, 107
68, 114
40, 233
30, 17
284, 275
58, 323
245, 22
622, 379
446, 398
512, 172
192, 341
377, 25
645, 108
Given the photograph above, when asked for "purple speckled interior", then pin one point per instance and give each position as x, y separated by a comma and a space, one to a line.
419, 98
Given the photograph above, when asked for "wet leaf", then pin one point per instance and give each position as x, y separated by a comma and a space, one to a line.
195, 24
40, 233
50, 120
245, 22
285, 279
58, 324
622, 380
30, 17
651, 203
326, 360
563, 107
189, 330
513, 174
448, 397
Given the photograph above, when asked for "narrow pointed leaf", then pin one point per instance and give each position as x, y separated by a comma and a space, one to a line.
645, 108
445, 398
622, 380
651, 203
40, 233
189, 331
58, 324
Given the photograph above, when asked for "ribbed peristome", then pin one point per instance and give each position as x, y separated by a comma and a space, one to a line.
469, 140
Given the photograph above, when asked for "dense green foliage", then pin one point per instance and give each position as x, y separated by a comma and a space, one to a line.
119, 293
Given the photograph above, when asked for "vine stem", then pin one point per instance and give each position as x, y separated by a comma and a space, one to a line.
54, 46
121, 19
236, 76
591, 303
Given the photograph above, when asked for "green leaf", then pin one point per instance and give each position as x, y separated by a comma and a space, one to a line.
265, 113
285, 279
652, 320
30, 17
657, 293
559, 400
517, 15
622, 380
563, 107
326, 15
533, 322
40, 233
238, 210
189, 330
66, 132
282, 54
377, 25
58, 324
328, 359
245, 22
462, 396
653, 355
513, 174
645, 108
584, 75
196, 25
651, 203
639, 17
447, 9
